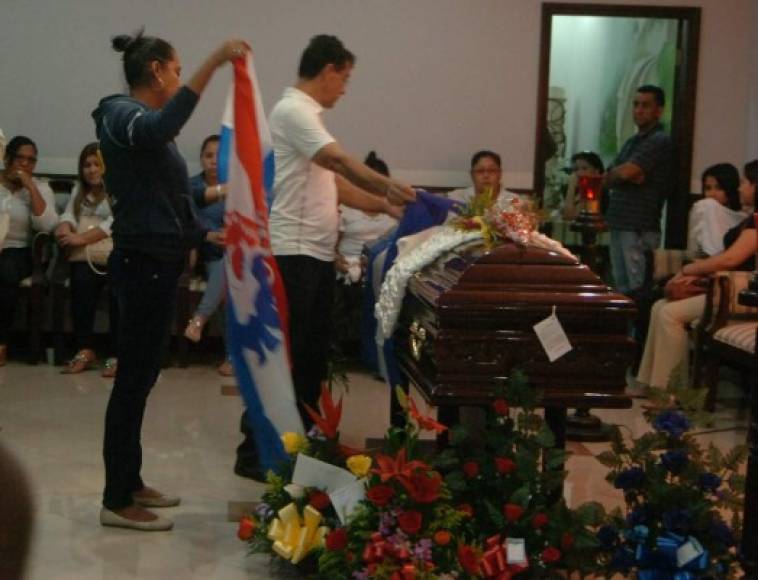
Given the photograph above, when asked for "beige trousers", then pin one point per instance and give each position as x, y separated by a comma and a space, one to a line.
667, 341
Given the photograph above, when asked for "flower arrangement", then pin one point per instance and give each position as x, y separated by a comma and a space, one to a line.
683, 502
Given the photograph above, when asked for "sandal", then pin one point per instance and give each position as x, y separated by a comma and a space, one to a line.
194, 330
109, 369
84, 360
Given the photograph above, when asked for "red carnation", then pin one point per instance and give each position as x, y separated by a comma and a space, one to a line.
471, 469
550, 555
319, 500
246, 528
505, 465
410, 521
501, 407
422, 487
567, 540
512, 512
466, 509
468, 559
380, 495
336, 540
540, 520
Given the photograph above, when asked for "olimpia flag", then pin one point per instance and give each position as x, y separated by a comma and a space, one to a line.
257, 324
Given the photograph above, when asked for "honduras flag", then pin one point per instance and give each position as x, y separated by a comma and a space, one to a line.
257, 318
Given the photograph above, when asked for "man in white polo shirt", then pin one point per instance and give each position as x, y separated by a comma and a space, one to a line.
313, 175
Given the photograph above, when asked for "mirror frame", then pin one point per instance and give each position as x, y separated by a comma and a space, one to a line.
685, 92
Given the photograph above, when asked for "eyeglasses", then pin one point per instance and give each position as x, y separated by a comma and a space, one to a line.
31, 159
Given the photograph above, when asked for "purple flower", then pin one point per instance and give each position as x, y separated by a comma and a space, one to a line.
675, 460
607, 536
709, 482
361, 575
672, 422
631, 478
264, 511
423, 550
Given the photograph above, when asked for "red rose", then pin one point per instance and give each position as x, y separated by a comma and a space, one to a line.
468, 559
422, 487
512, 512
567, 540
505, 465
319, 500
500, 407
442, 538
246, 528
471, 469
336, 540
550, 555
466, 509
380, 495
540, 521
410, 521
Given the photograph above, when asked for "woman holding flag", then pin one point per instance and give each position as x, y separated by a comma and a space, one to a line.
154, 226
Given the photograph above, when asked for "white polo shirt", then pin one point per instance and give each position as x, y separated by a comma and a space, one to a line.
304, 217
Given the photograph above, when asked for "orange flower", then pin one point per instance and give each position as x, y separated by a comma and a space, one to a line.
329, 423
424, 422
398, 467
246, 528
442, 538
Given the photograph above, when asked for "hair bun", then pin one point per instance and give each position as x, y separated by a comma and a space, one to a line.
371, 156
122, 42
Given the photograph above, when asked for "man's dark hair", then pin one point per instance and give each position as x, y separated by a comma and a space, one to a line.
209, 139
139, 51
376, 163
728, 178
485, 153
660, 96
589, 157
751, 171
321, 51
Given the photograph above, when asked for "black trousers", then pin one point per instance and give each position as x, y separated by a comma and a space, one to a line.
86, 287
309, 284
146, 292
15, 265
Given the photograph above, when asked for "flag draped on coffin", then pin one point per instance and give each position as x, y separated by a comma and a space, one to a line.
257, 307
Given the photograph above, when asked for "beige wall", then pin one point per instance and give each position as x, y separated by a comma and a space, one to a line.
436, 79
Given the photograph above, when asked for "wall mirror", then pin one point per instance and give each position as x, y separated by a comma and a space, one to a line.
592, 59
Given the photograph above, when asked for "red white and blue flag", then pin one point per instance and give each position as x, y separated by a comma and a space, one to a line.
257, 318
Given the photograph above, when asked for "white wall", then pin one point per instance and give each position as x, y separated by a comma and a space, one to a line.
752, 101
436, 79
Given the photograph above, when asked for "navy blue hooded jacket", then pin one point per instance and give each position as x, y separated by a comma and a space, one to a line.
146, 176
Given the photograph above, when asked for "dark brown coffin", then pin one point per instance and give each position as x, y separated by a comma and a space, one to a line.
467, 321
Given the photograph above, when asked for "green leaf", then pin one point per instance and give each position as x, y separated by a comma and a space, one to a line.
591, 513
584, 540
555, 458
458, 435
609, 459
447, 459
545, 437
456, 481
521, 496
495, 515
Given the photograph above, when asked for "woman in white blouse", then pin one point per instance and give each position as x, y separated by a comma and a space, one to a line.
718, 212
88, 200
30, 206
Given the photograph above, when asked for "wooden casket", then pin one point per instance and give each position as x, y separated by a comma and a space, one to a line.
467, 321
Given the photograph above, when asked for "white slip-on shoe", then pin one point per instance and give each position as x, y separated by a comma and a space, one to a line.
110, 518
159, 501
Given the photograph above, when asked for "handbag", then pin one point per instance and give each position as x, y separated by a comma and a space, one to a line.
96, 254
683, 289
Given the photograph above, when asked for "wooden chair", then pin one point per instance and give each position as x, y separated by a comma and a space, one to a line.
726, 334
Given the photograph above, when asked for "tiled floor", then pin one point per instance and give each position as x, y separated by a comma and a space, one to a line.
54, 425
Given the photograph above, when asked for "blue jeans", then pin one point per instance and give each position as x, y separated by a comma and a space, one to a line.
215, 288
628, 257
145, 289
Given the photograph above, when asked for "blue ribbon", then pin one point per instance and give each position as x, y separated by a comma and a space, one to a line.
660, 563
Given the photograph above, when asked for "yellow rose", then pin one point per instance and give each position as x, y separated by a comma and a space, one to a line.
293, 442
359, 465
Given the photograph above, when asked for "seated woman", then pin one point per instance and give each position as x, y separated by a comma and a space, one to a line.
719, 211
356, 228
666, 345
209, 196
30, 206
88, 204
486, 175
584, 163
